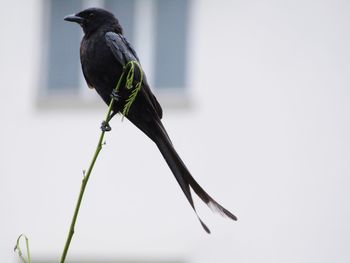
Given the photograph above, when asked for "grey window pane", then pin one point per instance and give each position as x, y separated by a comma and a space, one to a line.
63, 57
171, 43
124, 10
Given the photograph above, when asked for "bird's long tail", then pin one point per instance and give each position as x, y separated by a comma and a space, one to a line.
184, 177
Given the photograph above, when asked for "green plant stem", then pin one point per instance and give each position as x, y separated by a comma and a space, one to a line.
86, 178
28, 250
80, 198
127, 68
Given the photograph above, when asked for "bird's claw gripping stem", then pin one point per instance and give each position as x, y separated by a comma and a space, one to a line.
105, 126
115, 96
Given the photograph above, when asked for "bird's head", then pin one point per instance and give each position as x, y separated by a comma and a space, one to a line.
92, 19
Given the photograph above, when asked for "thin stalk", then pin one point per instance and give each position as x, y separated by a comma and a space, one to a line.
28, 250
88, 173
81, 194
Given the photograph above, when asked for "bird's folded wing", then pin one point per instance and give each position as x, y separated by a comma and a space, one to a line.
121, 48
124, 52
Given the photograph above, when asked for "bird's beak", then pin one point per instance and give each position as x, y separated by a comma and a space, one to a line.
74, 18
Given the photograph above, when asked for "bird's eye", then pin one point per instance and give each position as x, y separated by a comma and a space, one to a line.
91, 15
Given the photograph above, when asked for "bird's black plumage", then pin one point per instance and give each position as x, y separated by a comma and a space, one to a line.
103, 53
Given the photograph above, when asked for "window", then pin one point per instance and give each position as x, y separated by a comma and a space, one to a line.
157, 28
63, 75
171, 24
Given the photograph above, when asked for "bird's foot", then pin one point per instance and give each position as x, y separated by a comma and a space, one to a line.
115, 96
105, 126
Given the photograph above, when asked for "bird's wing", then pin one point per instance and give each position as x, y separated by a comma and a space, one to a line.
130, 47
120, 48
124, 52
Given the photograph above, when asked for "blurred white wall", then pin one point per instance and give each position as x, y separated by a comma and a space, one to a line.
267, 136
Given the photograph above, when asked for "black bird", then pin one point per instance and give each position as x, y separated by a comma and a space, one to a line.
104, 51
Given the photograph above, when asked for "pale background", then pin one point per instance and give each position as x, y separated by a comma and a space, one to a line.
267, 134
